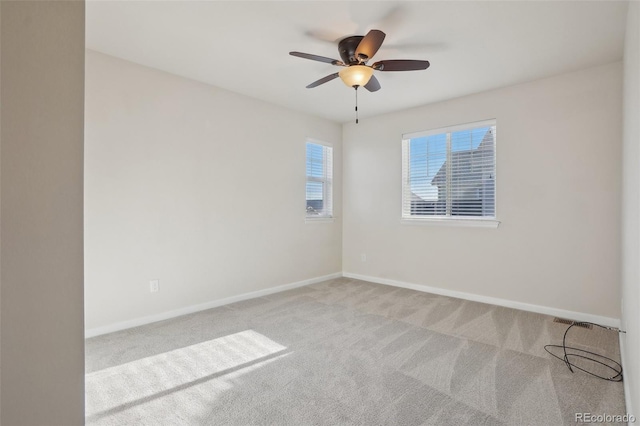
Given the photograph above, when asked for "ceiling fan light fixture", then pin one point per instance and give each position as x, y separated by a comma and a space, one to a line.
356, 75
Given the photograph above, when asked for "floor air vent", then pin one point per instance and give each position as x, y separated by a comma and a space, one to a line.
571, 322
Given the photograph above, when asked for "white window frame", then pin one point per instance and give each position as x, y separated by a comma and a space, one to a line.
480, 221
327, 181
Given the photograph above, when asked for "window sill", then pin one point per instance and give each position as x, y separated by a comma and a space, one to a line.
480, 223
310, 219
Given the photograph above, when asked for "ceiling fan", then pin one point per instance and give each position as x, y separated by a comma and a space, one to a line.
355, 52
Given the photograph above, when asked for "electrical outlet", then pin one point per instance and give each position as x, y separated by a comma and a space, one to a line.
363, 257
154, 286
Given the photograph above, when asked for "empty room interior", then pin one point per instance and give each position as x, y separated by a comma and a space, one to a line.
297, 213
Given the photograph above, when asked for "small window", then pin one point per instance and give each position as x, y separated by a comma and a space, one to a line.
450, 173
319, 180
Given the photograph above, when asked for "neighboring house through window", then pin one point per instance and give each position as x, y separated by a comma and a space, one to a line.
450, 173
319, 180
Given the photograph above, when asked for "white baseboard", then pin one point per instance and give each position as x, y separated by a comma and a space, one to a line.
123, 325
576, 316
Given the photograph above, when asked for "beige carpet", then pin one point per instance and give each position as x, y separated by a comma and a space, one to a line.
346, 352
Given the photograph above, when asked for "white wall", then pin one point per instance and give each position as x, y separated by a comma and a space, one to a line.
558, 197
0, 219
631, 211
42, 78
198, 187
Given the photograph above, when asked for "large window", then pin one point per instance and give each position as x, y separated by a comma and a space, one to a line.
450, 173
319, 180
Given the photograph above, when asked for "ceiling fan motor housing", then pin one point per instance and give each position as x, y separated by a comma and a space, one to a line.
347, 48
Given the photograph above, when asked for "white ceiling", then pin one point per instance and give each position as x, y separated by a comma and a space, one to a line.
472, 46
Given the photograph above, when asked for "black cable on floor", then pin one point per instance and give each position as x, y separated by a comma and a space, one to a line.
589, 356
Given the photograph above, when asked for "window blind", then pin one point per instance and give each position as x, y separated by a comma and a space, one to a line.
319, 189
450, 172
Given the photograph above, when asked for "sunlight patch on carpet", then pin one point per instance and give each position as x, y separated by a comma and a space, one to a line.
120, 388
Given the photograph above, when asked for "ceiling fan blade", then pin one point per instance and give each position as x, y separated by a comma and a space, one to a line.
373, 85
370, 44
322, 80
317, 58
401, 65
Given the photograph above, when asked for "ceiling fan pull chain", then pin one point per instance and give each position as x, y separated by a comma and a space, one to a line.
356, 87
